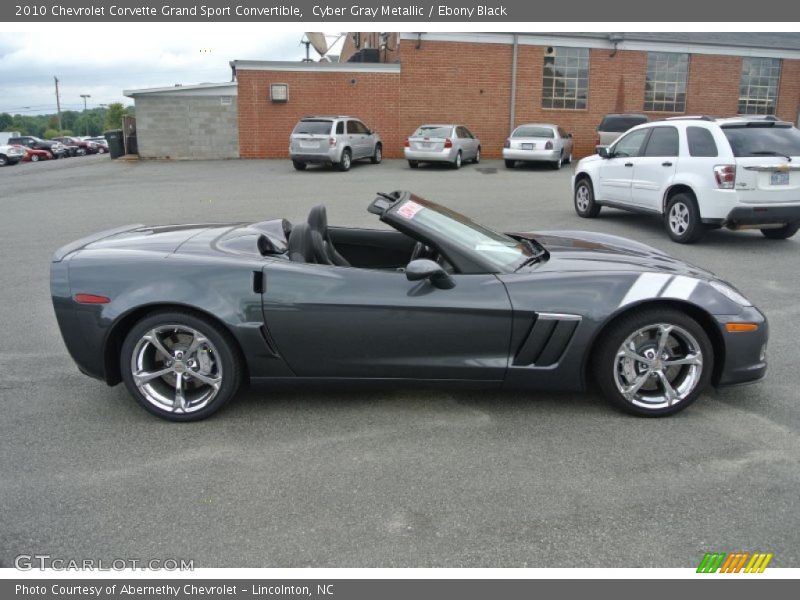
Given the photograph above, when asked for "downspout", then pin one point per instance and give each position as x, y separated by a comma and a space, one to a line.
512, 110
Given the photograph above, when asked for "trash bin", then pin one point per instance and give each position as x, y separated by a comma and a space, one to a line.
116, 145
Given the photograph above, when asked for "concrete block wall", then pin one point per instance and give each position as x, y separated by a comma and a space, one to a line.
186, 126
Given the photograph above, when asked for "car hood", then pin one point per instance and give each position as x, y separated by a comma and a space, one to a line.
588, 251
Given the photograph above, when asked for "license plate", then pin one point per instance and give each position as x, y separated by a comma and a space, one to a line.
527, 146
309, 144
779, 179
426, 145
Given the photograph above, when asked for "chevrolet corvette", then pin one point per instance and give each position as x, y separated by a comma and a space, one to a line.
184, 315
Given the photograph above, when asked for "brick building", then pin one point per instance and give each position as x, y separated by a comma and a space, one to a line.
571, 79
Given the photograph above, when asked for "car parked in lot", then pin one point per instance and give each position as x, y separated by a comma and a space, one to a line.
453, 144
538, 142
11, 154
336, 141
182, 314
699, 173
614, 125
82, 147
34, 155
57, 149
101, 143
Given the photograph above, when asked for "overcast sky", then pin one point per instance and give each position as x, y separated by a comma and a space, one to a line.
87, 61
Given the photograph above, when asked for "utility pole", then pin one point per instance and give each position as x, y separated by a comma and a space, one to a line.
85, 96
58, 106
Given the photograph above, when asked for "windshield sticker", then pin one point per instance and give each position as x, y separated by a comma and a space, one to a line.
409, 209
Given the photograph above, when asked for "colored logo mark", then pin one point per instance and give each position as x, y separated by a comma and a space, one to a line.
734, 562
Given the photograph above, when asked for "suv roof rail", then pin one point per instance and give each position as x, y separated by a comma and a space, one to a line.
690, 118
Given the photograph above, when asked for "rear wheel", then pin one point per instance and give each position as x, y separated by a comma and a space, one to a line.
179, 366
557, 164
377, 157
345, 161
413, 164
654, 362
34, 158
682, 219
781, 233
478, 155
585, 205
510, 164
300, 166
457, 161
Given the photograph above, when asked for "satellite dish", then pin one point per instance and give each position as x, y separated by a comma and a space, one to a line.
318, 41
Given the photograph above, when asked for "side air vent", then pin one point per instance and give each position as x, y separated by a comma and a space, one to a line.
547, 339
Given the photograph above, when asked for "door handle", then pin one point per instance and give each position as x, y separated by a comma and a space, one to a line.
666, 164
628, 164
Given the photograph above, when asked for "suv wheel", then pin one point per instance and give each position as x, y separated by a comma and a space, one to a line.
300, 166
585, 205
682, 219
781, 233
377, 157
344, 162
3, 161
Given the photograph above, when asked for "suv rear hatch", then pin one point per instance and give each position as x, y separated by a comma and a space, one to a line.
311, 136
767, 161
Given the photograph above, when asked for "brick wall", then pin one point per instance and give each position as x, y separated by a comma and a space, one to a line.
264, 126
470, 83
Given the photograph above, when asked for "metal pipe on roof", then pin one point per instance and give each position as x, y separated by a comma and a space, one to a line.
512, 110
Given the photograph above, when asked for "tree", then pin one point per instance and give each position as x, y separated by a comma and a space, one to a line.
5, 121
114, 115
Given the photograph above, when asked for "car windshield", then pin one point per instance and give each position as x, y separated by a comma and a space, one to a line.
501, 250
316, 126
763, 140
533, 132
620, 123
434, 131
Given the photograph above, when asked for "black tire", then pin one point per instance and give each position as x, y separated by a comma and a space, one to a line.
782, 233
569, 159
510, 164
607, 371
413, 164
345, 161
682, 219
377, 156
3, 160
558, 163
583, 199
477, 156
224, 351
299, 166
456, 164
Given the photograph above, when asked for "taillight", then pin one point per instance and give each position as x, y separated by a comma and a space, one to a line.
507, 143
548, 146
332, 141
448, 143
406, 143
91, 299
725, 176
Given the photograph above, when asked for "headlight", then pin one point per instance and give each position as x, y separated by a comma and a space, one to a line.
730, 293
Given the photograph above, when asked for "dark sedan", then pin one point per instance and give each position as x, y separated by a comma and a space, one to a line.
184, 314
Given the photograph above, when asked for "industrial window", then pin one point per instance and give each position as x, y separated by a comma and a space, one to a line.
758, 88
665, 85
565, 80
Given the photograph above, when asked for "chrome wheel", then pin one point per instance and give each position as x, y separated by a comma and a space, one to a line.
658, 366
679, 218
582, 199
176, 368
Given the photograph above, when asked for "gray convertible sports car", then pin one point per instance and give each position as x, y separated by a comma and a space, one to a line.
185, 314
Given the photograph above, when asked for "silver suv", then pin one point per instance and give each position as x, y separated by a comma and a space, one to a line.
333, 141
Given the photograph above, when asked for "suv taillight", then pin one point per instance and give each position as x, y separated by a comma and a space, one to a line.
332, 141
725, 176
507, 143
548, 145
406, 143
448, 143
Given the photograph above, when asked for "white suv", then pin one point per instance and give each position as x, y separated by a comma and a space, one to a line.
699, 173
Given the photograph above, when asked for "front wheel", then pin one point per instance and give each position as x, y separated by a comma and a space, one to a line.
585, 205
377, 156
34, 158
654, 362
682, 219
179, 366
3, 161
781, 233
345, 161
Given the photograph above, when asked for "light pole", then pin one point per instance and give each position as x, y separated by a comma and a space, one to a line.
85, 96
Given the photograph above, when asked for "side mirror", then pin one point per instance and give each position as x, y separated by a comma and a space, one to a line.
422, 268
603, 152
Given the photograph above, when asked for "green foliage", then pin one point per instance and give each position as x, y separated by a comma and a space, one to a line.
73, 122
50, 134
114, 114
5, 121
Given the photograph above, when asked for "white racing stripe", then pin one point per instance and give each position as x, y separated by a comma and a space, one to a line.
648, 285
681, 288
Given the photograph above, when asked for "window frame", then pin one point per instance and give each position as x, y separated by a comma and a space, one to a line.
576, 68
748, 100
662, 80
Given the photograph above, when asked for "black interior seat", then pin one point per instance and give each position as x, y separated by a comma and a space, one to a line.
323, 249
300, 246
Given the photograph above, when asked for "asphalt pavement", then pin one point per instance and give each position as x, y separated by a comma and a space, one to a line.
392, 478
